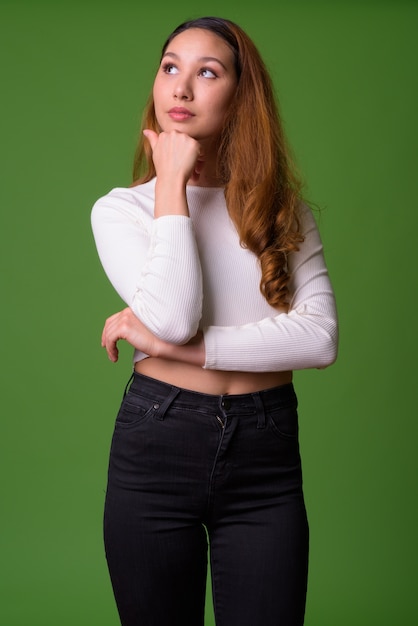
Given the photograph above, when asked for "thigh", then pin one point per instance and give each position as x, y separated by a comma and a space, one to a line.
259, 532
158, 578
259, 569
156, 548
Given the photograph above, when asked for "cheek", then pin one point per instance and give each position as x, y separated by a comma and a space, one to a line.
157, 103
158, 91
155, 94
225, 104
222, 111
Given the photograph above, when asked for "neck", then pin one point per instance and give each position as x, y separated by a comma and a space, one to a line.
208, 174
204, 181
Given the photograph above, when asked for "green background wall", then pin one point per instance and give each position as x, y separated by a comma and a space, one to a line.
74, 78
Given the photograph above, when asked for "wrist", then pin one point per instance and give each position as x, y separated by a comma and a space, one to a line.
192, 352
170, 198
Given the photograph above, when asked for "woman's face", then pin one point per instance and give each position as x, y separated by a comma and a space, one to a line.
195, 84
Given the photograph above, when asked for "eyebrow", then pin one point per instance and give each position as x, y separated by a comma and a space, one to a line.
201, 59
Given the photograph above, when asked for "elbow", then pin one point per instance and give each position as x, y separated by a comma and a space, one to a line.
178, 335
175, 329
328, 348
179, 328
175, 326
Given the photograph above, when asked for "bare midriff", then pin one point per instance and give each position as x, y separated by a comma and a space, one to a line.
214, 382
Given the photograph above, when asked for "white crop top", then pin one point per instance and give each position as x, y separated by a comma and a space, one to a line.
179, 274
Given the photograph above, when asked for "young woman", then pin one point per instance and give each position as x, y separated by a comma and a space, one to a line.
221, 267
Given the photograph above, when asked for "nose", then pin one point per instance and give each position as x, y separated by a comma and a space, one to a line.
183, 89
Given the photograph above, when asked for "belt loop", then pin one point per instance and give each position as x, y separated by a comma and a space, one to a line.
161, 409
261, 414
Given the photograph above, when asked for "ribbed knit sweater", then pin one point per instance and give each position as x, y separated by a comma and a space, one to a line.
180, 274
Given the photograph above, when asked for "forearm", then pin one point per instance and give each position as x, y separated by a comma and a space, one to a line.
168, 296
304, 337
192, 352
170, 198
286, 342
174, 155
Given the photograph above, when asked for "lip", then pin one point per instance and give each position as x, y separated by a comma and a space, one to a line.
180, 114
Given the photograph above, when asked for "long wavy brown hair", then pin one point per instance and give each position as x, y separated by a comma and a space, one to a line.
262, 187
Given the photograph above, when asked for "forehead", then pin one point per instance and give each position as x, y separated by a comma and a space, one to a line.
200, 42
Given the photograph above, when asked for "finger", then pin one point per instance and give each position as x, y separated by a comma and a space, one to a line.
112, 351
110, 336
110, 344
199, 166
152, 137
197, 170
103, 338
106, 326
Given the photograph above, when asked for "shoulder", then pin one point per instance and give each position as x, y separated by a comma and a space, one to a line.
306, 217
128, 203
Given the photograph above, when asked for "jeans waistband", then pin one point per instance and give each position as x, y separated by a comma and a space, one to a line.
275, 397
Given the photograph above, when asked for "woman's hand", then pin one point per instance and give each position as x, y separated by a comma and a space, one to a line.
125, 325
177, 156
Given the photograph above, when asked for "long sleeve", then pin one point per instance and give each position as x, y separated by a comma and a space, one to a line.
304, 337
153, 264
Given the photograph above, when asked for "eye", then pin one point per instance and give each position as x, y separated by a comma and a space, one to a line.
207, 73
169, 68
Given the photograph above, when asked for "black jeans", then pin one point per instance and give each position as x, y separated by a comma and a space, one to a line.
186, 468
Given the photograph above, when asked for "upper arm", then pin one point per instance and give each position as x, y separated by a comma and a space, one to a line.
152, 264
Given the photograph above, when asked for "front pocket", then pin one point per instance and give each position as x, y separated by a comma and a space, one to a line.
135, 409
284, 422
